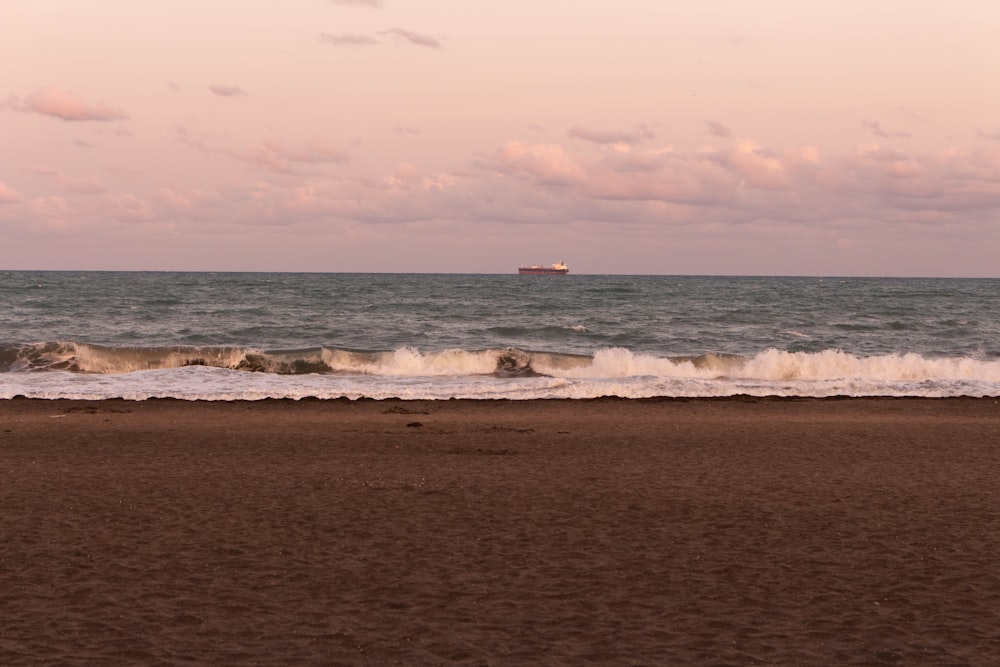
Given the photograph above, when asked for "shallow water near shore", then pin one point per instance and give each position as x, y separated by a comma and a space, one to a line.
220, 336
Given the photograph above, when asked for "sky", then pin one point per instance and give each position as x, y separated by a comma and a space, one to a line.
722, 137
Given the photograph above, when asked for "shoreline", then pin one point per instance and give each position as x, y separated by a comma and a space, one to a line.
729, 530
751, 398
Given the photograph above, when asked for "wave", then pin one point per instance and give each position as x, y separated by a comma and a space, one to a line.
775, 365
770, 365
78, 357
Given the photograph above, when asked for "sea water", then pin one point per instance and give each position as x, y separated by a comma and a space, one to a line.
220, 336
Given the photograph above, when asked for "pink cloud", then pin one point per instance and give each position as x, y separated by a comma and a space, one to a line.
953, 180
227, 91
348, 39
749, 182
188, 137
8, 195
547, 163
718, 192
677, 178
758, 168
277, 157
640, 133
67, 106
272, 155
873, 127
315, 151
95, 211
414, 38
70, 184
717, 129
400, 35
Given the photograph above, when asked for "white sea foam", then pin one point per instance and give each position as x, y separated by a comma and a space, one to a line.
411, 374
775, 365
410, 362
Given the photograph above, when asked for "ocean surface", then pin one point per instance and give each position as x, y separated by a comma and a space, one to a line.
219, 336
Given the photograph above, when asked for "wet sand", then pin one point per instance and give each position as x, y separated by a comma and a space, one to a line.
724, 531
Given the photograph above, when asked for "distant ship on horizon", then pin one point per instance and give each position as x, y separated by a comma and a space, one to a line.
557, 269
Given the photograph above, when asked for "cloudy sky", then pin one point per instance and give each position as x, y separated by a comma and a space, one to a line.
773, 137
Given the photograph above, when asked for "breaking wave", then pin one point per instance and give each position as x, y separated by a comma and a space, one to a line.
770, 365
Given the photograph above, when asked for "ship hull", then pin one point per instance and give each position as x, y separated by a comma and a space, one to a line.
532, 271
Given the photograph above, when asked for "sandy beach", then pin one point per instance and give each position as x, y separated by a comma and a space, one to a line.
719, 531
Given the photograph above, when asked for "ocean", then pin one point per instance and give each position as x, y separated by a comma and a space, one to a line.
225, 336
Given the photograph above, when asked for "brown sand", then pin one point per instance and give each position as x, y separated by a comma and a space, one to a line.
726, 532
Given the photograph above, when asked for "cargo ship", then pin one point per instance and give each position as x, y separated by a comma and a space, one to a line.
557, 269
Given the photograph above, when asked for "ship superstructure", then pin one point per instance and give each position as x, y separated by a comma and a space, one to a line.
557, 269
